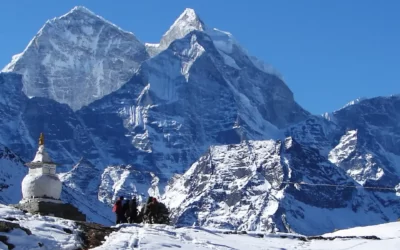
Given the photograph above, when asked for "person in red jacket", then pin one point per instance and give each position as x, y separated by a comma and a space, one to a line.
119, 211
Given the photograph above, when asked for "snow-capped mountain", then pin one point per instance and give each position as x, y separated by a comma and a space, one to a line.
187, 22
161, 109
187, 98
357, 147
78, 58
250, 186
370, 149
363, 138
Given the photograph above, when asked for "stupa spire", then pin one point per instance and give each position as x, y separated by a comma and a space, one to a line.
41, 156
41, 139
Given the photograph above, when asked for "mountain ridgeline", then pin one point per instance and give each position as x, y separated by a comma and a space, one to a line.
218, 127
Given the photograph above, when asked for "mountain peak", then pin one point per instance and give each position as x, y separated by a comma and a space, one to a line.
189, 17
183, 25
83, 162
189, 12
80, 12
82, 9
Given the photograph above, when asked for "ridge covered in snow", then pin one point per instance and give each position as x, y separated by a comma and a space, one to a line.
226, 44
183, 25
358, 100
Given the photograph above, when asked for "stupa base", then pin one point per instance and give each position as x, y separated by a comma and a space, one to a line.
56, 209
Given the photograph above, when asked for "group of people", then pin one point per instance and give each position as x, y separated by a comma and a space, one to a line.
125, 211
152, 212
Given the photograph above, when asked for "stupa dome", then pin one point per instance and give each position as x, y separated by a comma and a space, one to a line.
41, 186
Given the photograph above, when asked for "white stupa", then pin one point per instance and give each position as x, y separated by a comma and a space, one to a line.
41, 189
41, 182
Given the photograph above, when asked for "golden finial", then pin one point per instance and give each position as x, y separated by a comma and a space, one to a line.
41, 139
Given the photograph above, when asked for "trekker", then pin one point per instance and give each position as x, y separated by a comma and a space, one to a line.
154, 212
145, 208
152, 207
119, 211
125, 208
133, 210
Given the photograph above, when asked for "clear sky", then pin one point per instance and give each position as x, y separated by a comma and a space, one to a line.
329, 52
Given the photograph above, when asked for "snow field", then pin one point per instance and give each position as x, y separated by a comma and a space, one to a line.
55, 233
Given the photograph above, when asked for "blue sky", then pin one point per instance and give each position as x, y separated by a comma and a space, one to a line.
329, 52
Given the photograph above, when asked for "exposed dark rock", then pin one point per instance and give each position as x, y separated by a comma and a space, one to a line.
6, 227
10, 219
67, 230
368, 237
4, 239
302, 238
93, 234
